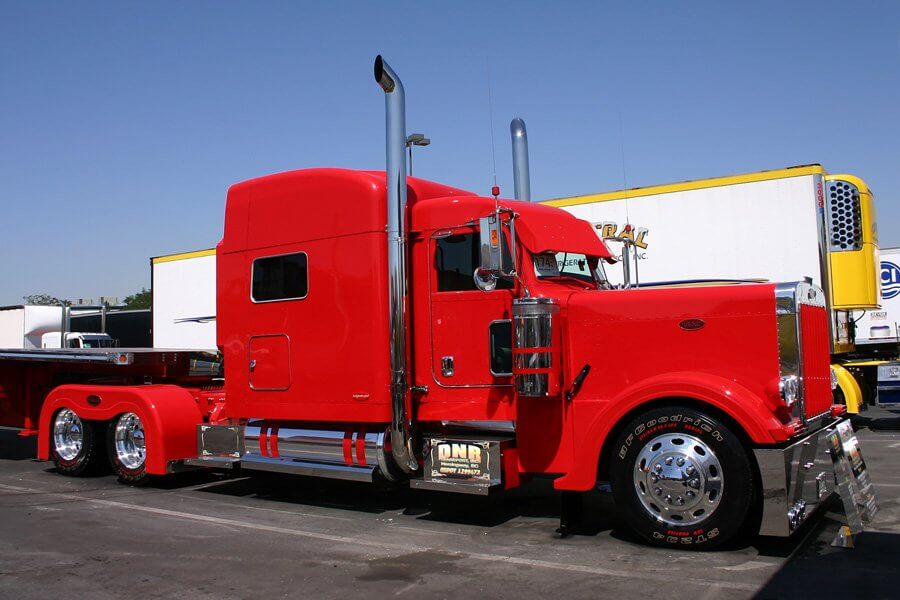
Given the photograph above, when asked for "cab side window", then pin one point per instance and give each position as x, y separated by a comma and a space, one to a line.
456, 258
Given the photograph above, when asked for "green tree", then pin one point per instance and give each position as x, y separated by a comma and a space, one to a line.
45, 300
138, 300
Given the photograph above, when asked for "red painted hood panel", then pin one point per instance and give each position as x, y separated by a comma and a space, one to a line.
629, 336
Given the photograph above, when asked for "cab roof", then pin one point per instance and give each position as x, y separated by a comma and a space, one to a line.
309, 204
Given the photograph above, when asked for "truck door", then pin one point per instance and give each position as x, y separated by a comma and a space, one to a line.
471, 330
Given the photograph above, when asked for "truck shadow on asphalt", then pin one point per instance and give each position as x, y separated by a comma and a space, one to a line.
16, 447
536, 501
879, 423
869, 570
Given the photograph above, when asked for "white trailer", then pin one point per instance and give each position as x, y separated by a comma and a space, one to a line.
880, 326
780, 225
22, 327
183, 292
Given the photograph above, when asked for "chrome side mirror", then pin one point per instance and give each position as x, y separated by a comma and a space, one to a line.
490, 248
485, 280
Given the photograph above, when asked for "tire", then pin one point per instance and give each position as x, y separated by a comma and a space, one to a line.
76, 447
127, 450
682, 479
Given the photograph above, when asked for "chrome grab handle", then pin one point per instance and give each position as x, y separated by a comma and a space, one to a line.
252, 364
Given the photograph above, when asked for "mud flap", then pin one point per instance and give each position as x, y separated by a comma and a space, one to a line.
853, 483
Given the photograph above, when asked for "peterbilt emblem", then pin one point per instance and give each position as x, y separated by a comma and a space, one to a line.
692, 324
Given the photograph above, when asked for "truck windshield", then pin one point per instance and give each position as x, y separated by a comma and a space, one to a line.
96, 343
569, 265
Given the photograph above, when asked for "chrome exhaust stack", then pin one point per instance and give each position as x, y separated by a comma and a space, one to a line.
395, 109
521, 174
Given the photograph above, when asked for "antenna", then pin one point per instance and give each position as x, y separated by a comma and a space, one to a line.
628, 227
495, 189
624, 175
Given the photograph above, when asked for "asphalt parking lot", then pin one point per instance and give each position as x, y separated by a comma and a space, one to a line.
201, 535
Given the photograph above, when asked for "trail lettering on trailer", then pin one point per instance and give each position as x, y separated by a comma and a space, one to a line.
638, 235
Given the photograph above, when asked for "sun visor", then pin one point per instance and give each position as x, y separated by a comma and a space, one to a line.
561, 232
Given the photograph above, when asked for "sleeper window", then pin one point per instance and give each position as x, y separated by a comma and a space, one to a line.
283, 277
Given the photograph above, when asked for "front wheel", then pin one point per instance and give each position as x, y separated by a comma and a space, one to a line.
127, 449
682, 479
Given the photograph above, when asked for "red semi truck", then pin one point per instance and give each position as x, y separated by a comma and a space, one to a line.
376, 326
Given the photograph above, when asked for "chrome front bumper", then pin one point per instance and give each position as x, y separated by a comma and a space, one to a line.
796, 480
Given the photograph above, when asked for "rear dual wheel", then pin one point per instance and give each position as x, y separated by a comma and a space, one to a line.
127, 449
76, 445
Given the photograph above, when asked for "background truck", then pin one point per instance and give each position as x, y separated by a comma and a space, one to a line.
377, 327
878, 331
781, 225
183, 293
77, 339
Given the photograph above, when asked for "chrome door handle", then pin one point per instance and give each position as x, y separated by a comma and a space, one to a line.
447, 366
252, 364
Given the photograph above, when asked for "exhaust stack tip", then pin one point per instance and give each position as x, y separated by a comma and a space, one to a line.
381, 75
521, 173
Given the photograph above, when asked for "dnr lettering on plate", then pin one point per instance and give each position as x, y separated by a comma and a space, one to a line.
460, 460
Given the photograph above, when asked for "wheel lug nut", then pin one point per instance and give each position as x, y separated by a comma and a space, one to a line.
654, 477
695, 483
657, 467
691, 494
668, 460
669, 498
658, 491
679, 462
691, 470
679, 501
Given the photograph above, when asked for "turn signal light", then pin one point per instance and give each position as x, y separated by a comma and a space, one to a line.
789, 388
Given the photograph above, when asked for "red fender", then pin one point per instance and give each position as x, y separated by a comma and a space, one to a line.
169, 413
747, 409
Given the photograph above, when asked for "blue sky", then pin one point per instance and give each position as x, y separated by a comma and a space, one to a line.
122, 124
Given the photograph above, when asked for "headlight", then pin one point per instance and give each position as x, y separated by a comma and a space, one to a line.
833, 380
789, 387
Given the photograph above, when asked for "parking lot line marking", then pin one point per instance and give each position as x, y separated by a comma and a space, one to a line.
749, 566
263, 508
405, 548
429, 531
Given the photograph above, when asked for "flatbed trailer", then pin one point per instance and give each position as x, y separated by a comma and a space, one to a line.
27, 376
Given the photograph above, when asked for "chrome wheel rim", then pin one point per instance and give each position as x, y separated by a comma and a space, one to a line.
678, 479
129, 437
68, 434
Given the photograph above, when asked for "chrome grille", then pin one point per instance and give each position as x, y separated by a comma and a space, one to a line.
803, 345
